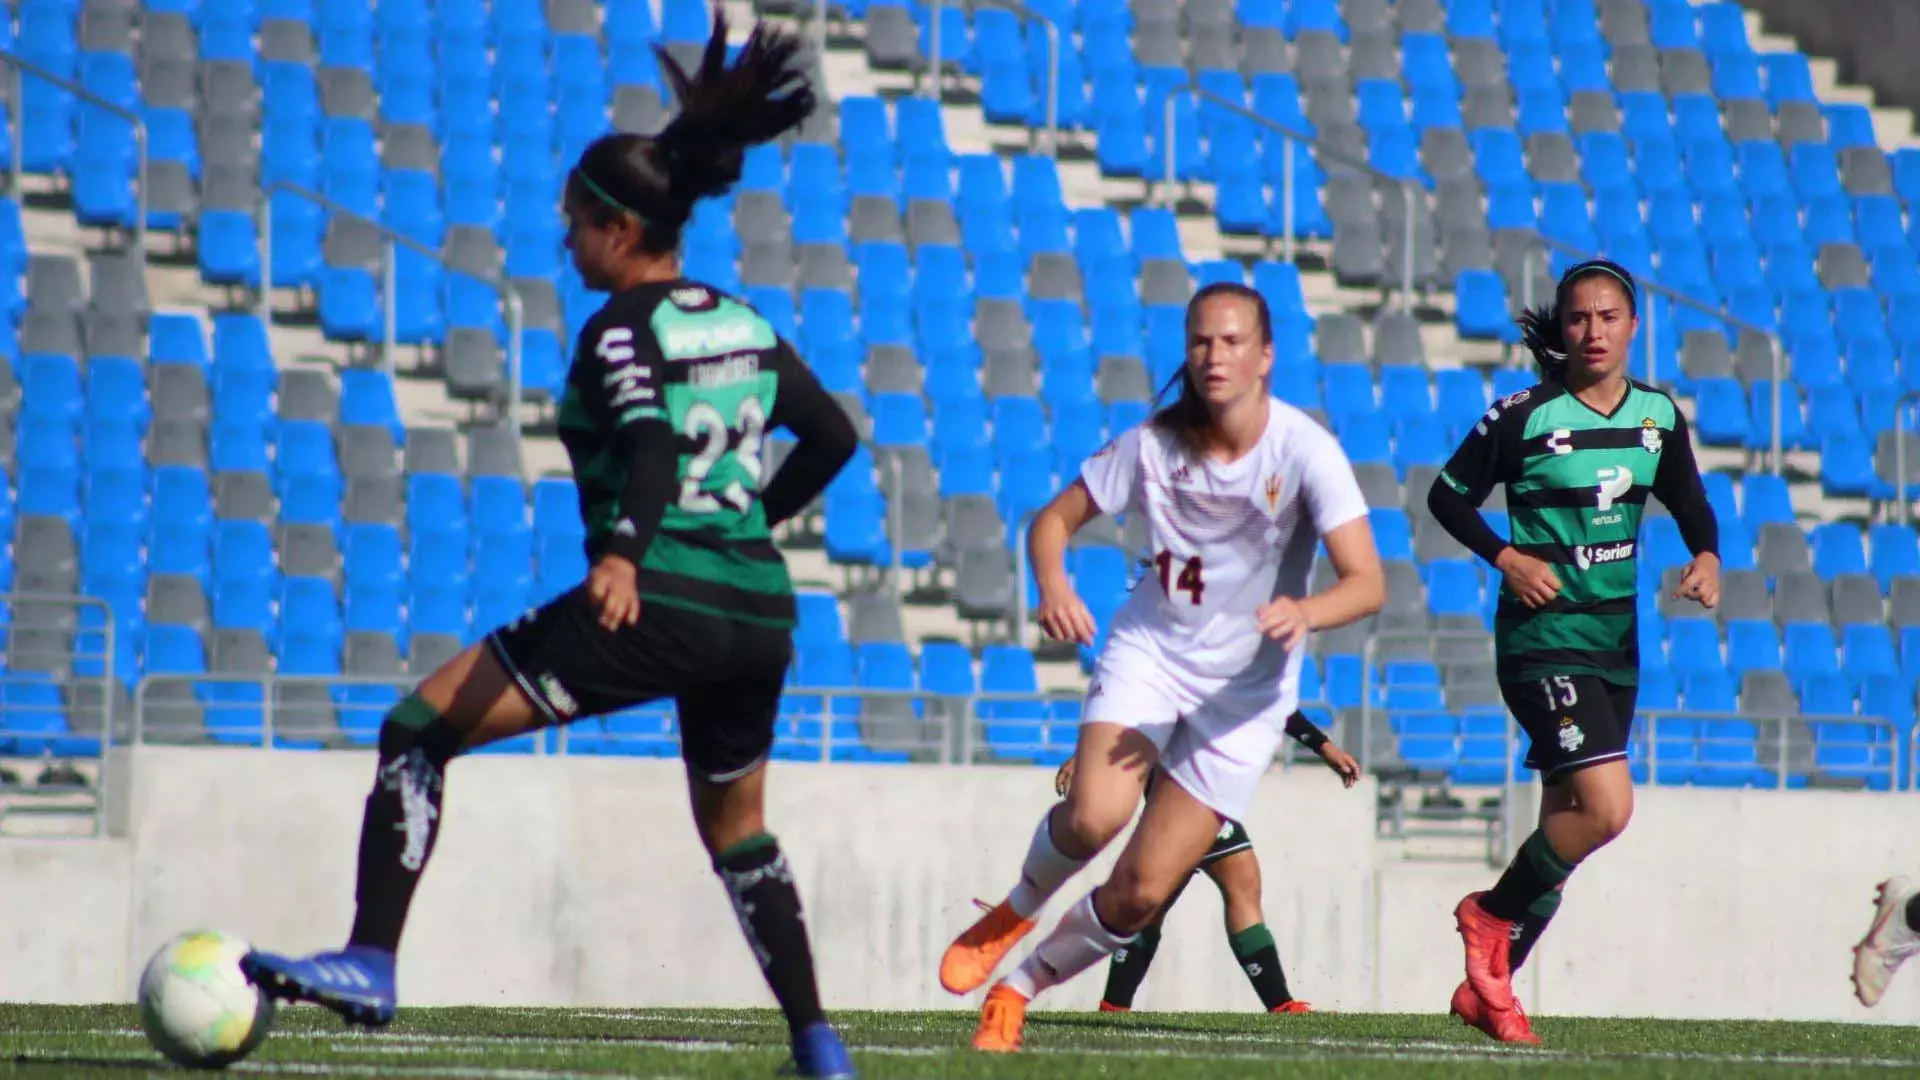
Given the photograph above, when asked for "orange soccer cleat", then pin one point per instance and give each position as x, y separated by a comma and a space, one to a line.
1488, 940
1108, 1006
1506, 1025
1292, 1007
1003, 1021
970, 960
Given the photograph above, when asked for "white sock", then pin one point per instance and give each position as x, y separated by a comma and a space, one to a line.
1078, 943
1044, 871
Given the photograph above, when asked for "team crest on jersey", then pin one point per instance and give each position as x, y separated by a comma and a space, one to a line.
1571, 737
1273, 494
1650, 435
692, 298
1516, 398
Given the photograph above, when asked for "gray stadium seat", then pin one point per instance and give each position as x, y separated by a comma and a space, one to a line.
1102, 531
170, 712
1010, 373
1800, 596
1263, 50
1359, 256
1593, 111
347, 92
172, 442
374, 500
856, 410
242, 496
824, 266
494, 451
238, 652
760, 217
1165, 282
1743, 595
1798, 122
1340, 338
1445, 155
1000, 323
473, 364
1856, 599
1158, 44
1430, 541
1479, 62
1746, 120
1379, 484
167, 83
309, 551
53, 284
1864, 171
892, 369
1842, 266
1123, 378
539, 304
1319, 59
1673, 607
366, 450
874, 617
1551, 158
287, 41
1685, 71
1396, 339
983, 584
1374, 55
768, 265
930, 222
167, 35
1636, 68
432, 450
108, 334
1768, 695
352, 243
308, 394
428, 652
1420, 16
874, 218
371, 655
119, 285
411, 147
1367, 16
171, 188
1487, 106
1419, 482
1753, 358
574, 17
893, 41
1213, 48
638, 109
179, 393
1054, 275
178, 600
1782, 549
972, 521
227, 88
1465, 249
1704, 355
1903, 601
471, 248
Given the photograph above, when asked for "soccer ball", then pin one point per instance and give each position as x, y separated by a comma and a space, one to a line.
198, 1008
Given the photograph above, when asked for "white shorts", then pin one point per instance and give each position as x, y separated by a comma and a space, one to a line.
1216, 736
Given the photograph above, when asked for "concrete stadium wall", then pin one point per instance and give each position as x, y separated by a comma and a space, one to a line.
579, 881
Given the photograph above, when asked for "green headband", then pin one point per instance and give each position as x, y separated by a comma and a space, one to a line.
601, 193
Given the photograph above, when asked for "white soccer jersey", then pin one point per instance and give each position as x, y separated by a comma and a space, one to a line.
1225, 538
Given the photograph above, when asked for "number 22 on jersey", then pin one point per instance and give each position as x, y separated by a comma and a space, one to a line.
1190, 581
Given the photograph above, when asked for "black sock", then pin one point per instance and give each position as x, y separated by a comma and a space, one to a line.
1529, 927
1129, 967
1535, 872
1260, 959
1913, 913
761, 888
402, 821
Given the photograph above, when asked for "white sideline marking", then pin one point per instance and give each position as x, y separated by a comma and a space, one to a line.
1317, 1046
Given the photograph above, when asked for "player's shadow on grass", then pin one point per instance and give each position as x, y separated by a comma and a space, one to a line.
65, 1063
1374, 1027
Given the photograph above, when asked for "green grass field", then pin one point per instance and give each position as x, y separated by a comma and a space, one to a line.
549, 1044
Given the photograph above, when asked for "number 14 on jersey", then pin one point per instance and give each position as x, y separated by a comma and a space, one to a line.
1191, 580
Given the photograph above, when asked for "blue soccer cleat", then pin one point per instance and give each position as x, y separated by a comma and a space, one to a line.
356, 982
818, 1052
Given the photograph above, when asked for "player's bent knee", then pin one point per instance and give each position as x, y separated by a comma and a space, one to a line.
1086, 826
412, 724
1131, 899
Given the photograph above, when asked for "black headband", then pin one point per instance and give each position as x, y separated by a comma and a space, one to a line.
1597, 266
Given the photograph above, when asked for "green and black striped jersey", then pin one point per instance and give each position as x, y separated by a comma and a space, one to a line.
717, 374
1577, 482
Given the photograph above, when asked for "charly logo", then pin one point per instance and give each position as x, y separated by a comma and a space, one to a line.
1650, 435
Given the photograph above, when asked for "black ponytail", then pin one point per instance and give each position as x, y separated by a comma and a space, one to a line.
723, 110
1540, 328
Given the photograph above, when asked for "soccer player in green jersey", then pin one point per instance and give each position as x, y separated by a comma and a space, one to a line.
672, 389
1578, 455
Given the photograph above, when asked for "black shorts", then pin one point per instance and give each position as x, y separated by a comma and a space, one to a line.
1230, 840
1574, 721
724, 675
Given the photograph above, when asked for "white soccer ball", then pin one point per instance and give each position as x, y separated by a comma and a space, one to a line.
198, 1008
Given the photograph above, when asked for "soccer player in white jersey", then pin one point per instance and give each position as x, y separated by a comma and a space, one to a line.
1201, 668
1892, 939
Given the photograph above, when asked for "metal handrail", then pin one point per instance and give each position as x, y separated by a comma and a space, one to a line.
390, 239
105, 680
1647, 284
1409, 189
21, 67
1779, 744
269, 683
1051, 142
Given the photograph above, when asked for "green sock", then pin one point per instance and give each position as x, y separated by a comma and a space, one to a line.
1528, 928
1260, 959
1535, 872
1129, 967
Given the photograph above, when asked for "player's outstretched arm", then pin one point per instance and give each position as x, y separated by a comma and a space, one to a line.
1062, 614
